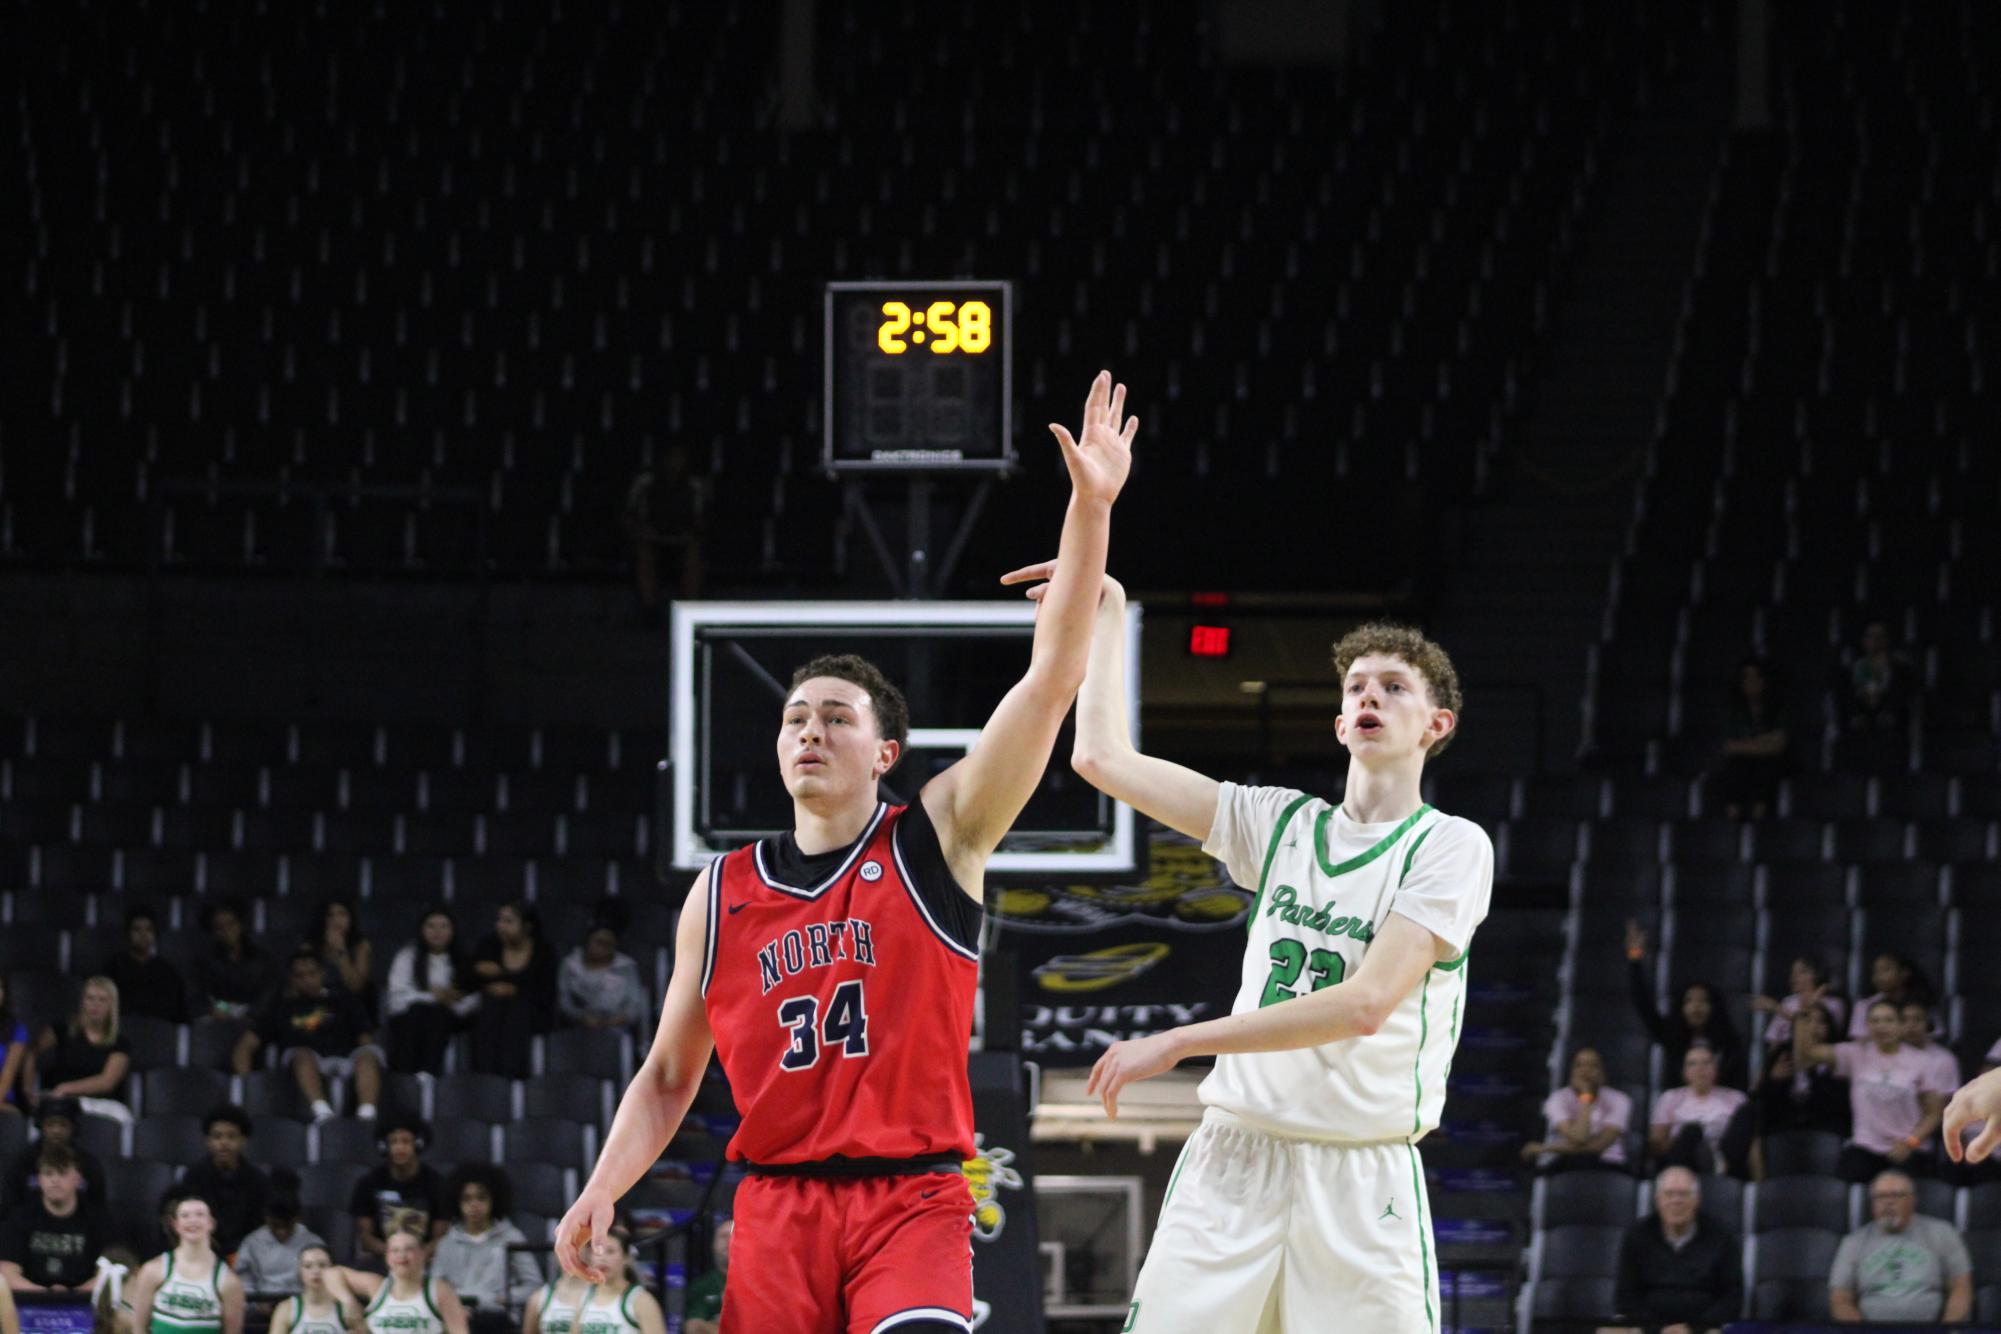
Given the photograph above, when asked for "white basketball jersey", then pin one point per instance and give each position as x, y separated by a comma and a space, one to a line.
1325, 886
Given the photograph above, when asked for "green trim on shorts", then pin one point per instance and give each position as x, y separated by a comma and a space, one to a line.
1423, 1229
1179, 1163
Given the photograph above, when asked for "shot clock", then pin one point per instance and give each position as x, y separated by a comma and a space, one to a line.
919, 376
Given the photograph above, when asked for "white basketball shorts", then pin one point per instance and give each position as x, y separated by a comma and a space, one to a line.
1266, 1235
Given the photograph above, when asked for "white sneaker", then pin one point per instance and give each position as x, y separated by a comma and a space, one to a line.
322, 1111
365, 1112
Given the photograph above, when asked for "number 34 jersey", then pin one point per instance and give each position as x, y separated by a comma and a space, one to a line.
840, 990
1325, 887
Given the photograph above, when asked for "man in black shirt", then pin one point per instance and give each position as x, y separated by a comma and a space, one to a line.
1676, 1269
236, 1190
403, 1192
147, 983
52, 1246
57, 1119
322, 1033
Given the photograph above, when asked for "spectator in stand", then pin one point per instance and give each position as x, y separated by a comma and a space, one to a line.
320, 1033
147, 984
1881, 683
1587, 1121
665, 511
1915, 1027
1699, 1020
428, 998
52, 1244
1755, 745
1675, 1270
1896, 980
1902, 1267
236, 1189
403, 1191
598, 987
1688, 1124
57, 1120
13, 1055
516, 972
1892, 1097
233, 974
88, 1060
1806, 977
346, 955
1793, 1096
269, 1260
704, 1309
473, 1256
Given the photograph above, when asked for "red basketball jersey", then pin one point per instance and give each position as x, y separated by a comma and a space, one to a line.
842, 1010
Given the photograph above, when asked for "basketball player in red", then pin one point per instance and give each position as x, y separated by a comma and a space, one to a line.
833, 969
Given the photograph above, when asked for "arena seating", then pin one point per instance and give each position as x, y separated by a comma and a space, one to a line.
433, 340
1825, 424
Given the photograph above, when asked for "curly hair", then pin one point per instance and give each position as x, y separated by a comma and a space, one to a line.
491, 1177
1410, 646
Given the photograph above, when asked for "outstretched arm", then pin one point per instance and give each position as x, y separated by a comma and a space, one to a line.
1397, 960
973, 802
653, 1105
1103, 755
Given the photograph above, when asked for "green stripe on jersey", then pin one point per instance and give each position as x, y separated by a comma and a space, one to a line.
1271, 852
1360, 860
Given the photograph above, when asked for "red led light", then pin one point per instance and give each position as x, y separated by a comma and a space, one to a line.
1209, 641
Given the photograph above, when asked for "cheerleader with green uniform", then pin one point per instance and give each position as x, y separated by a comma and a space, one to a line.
189, 1290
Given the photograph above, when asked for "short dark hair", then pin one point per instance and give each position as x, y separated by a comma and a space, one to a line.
892, 711
490, 1177
56, 1158
141, 912
233, 905
230, 1112
304, 954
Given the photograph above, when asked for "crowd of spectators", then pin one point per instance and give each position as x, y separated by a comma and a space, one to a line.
1874, 1073
321, 1006
330, 1009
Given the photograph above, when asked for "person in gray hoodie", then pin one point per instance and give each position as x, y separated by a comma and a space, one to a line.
597, 987
473, 1256
268, 1259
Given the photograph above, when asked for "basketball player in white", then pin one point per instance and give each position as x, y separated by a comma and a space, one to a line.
1299, 1204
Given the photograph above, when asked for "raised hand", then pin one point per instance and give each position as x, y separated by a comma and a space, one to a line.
1636, 939
1100, 459
1038, 575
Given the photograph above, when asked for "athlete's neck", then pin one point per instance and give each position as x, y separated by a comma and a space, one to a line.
1375, 795
191, 1253
818, 831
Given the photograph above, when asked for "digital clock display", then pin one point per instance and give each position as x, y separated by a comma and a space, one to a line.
918, 376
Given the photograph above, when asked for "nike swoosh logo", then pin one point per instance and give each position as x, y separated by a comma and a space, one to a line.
736, 908
927, 1194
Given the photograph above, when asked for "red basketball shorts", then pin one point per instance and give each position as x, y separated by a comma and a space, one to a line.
819, 1255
